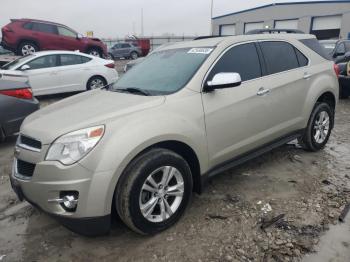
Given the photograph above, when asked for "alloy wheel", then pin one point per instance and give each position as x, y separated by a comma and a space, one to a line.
321, 127
28, 49
96, 83
95, 53
161, 194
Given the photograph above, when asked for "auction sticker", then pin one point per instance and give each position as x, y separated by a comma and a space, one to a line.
204, 51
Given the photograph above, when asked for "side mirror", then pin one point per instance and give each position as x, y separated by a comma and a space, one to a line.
25, 68
79, 36
223, 80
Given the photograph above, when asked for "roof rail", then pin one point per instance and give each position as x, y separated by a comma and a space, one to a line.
274, 31
210, 36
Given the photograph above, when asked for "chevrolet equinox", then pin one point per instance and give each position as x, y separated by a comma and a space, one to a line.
189, 111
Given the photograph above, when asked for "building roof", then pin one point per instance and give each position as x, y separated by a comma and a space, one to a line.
286, 3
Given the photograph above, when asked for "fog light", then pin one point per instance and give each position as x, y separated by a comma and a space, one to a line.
68, 200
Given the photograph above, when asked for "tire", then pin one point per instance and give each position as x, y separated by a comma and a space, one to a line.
310, 141
94, 52
96, 82
134, 55
26, 48
131, 193
110, 56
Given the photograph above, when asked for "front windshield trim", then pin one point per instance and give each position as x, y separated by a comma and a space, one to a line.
153, 92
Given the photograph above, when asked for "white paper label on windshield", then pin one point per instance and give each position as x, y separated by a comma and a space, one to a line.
204, 51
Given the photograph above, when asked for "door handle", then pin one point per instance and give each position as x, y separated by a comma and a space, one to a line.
262, 91
306, 76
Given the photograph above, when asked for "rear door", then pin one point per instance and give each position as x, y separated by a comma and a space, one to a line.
287, 81
74, 72
69, 39
235, 117
42, 75
47, 37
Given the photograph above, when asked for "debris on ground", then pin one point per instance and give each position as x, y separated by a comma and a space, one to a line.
344, 212
267, 223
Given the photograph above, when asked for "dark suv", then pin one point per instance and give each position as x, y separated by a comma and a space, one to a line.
339, 50
26, 36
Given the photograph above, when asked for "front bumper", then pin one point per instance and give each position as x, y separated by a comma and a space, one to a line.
50, 179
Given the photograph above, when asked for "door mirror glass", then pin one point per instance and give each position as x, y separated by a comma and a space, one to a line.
224, 80
25, 67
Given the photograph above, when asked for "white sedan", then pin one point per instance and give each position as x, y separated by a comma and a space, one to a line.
52, 72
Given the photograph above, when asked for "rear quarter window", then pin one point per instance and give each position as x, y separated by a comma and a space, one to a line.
314, 45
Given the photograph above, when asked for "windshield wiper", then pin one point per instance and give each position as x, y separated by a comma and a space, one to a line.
134, 90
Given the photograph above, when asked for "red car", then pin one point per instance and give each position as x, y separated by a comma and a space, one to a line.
25, 36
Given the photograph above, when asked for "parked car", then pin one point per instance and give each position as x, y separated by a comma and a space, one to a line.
16, 103
344, 79
124, 50
52, 72
339, 50
189, 111
26, 36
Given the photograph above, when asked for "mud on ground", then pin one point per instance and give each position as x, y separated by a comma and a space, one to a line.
222, 224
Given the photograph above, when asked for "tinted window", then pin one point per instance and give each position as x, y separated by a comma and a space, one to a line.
303, 61
314, 45
279, 56
43, 62
125, 45
28, 26
73, 60
66, 32
45, 28
242, 59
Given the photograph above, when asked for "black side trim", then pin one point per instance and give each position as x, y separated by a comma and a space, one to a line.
250, 155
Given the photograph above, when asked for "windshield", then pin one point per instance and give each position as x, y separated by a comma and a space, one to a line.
164, 72
328, 46
15, 63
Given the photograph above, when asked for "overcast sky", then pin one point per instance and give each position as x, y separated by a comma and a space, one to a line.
112, 18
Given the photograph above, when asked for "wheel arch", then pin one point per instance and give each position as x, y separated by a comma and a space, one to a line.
20, 41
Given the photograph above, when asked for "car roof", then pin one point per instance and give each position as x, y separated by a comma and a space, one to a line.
36, 20
60, 52
215, 41
7, 84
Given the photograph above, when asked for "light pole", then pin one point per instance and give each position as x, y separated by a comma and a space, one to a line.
142, 22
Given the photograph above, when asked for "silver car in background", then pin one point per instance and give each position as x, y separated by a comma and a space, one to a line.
125, 50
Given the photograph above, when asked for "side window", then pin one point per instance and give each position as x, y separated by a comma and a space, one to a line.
67, 60
242, 59
44, 28
279, 56
43, 62
125, 45
303, 61
66, 32
315, 46
28, 26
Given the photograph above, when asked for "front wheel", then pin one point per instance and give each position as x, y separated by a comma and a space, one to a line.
154, 191
27, 48
319, 128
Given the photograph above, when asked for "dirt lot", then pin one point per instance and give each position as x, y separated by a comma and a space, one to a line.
222, 224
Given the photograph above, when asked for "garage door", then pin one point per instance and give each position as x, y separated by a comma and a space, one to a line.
326, 27
227, 29
286, 24
253, 26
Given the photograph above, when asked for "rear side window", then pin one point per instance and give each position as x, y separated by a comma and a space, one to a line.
314, 45
242, 59
303, 61
28, 26
279, 56
67, 60
125, 45
44, 28
43, 62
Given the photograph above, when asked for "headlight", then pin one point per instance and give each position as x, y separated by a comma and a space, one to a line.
72, 147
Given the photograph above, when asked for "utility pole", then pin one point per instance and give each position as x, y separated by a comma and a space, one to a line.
211, 16
142, 32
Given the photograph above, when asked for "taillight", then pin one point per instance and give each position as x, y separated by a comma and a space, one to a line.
111, 65
23, 93
7, 29
336, 70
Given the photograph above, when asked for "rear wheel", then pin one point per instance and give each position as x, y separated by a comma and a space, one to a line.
319, 128
96, 82
154, 191
27, 48
134, 55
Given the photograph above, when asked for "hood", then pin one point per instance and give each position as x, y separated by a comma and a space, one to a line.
82, 111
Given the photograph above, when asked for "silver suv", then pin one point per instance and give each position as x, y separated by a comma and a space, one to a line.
186, 113
125, 50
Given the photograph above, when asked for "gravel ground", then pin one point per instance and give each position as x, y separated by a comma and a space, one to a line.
306, 190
